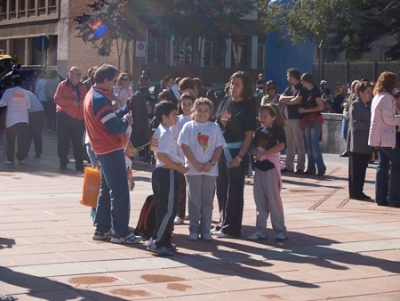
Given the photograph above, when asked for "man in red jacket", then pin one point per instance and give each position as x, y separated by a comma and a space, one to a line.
70, 126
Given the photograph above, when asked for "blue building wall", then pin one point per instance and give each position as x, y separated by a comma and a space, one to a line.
279, 58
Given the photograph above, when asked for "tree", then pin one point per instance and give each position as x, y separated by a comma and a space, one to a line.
342, 24
111, 22
198, 20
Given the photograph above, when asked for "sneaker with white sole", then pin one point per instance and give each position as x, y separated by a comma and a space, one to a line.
281, 236
130, 239
193, 236
221, 234
8, 162
257, 236
207, 237
161, 251
178, 221
214, 230
101, 235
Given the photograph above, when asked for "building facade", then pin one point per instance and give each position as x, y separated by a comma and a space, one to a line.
28, 26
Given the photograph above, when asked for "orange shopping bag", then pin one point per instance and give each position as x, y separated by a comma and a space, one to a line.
91, 187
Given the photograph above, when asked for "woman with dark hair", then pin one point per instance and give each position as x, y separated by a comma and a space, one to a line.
270, 93
382, 134
357, 142
236, 116
311, 124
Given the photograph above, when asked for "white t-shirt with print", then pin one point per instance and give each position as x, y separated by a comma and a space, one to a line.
202, 139
176, 129
163, 141
18, 103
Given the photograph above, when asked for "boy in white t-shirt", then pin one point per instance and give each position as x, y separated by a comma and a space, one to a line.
201, 142
164, 178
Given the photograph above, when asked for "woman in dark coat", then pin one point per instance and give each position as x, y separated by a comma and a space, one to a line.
357, 142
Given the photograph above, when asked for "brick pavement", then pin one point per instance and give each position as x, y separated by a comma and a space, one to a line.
339, 249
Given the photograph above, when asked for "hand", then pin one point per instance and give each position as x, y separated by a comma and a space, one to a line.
259, 156
76, 103
129, 118
302, 110
235, 163
199, 166
207, 167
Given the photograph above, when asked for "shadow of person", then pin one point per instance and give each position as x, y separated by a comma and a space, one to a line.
6, 243
45, 289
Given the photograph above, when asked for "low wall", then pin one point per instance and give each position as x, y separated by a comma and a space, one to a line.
331, 140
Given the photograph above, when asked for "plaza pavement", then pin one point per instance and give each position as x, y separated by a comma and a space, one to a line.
339, 249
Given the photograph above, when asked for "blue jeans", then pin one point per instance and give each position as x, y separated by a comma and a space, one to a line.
313, 149
383, 193
113, 208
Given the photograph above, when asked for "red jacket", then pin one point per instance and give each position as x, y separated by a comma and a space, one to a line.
64, 98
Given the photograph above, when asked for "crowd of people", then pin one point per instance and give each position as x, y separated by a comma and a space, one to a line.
203, 145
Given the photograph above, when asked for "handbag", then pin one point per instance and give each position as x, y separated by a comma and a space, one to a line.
91, 187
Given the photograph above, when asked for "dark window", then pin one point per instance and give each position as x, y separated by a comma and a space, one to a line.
157, 51
240, 51
213, 54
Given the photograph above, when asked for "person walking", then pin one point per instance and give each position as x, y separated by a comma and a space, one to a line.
18, 103
70, 126
35, 126
106, 129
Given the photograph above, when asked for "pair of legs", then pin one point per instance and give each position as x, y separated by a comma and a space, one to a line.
268, 201
388, 159
35, 132
19, 131
70, 130
201, 195
230, 194
294, 141
113, 206
314, 153
358, 164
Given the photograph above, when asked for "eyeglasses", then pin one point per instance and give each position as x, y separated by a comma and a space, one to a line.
124, 78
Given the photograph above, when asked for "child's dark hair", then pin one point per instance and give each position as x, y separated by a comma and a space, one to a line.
184, 96
164, 108
202, 101
163, 95
273, 110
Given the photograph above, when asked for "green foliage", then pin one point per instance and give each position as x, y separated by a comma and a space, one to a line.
110, 22
338, 23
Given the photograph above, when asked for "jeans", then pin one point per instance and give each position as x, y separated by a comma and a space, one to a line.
19, 131
113, 208
313, 149
383, 193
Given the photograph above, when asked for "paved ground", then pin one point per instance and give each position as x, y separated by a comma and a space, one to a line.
339, 249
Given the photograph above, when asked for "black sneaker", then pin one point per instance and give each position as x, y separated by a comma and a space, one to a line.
320, 173
63, 166
286, 170
299, 172
101, 235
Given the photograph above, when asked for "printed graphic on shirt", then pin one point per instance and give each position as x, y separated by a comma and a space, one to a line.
225, 116
18, 95
154, 143
203, 141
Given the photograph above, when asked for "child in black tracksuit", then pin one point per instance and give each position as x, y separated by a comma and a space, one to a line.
164, 178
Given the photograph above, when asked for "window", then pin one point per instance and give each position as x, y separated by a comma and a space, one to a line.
21, 9
3, 11
183, 52
42, 7
240, 51
213, 54
157, 50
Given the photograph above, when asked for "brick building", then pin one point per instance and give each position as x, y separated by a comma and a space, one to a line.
23, 21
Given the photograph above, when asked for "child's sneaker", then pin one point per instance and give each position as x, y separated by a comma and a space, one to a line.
130, 239
257, 236
101, 235
8, 162
178, 221
281, 236
161, 251
221, 234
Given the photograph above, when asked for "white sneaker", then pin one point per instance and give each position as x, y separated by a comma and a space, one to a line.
221, 234
257, 236
193, 236
281, 236
178, 221
213, 231
7, 162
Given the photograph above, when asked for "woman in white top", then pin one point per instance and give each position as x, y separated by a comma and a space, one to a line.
123, 90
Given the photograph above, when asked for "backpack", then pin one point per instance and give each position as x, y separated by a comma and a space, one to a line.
147, 219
